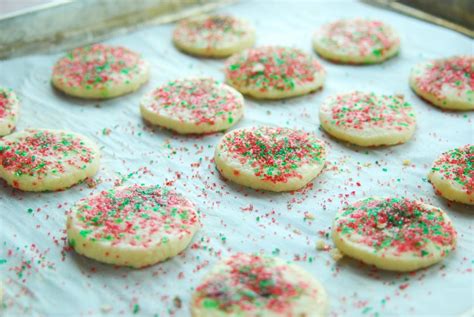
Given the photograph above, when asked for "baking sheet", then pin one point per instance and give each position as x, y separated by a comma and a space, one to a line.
41, 277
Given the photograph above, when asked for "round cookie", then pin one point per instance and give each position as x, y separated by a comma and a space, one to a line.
394, 234
446, 83
258, 286
200, 105
47, 160
270, 158
274, 72
9, 110
132, 226
100, 71
452, 174
367, 119
356, 41
213, 35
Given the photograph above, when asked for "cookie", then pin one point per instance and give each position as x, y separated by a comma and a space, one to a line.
251, 285
47, 160
396, 234
134, 226
356, 41
274, 72
367, 119
213, 35
100, 71
270, 158
9, 111
198, 105
452, 175
446, 83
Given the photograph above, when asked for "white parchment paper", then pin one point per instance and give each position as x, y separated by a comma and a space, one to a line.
41, 278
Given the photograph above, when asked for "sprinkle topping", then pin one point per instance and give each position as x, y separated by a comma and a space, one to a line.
362, 111
97, 67
455, 74
272, 68
358, 37
39, 153
213, 31
8, 101
196, 101
5, 103
251, 282
396, 226
137, 216
457, 166
273, 154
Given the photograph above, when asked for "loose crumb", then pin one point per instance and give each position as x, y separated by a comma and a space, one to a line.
308, 216
322, 246
106, 308
336, 254
406, 162
177, 302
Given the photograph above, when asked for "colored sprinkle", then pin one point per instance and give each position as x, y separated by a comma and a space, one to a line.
136, 215
273, 154
97, 67
453, 75
457, 167
211, 32
196, 101
396, 225
357, 38
362, 111
272, 68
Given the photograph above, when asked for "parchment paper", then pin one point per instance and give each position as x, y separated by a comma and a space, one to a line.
42, 278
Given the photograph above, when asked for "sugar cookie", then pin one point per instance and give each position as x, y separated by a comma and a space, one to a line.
258, 286
394, 234
356, 41
9, 109
133, 226
274, 72
270, 158
452, 175
446, 83
213, 35
100, 71
47, 160
198, 105
367, 119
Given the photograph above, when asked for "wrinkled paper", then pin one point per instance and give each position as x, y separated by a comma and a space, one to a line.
41, 277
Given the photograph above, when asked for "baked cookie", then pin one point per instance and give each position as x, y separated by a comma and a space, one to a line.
274, 72
258, 286
199, 105
446, 83
356, 41
9, 110
452, 175
213, 35
100, 71
132, 226
270, 158
47, 160
394, 234
367, 119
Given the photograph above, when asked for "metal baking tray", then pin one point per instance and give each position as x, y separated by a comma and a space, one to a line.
457, 15
64, 24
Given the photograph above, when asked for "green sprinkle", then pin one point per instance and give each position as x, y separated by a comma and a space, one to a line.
85, 233
136, 308
210, 303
